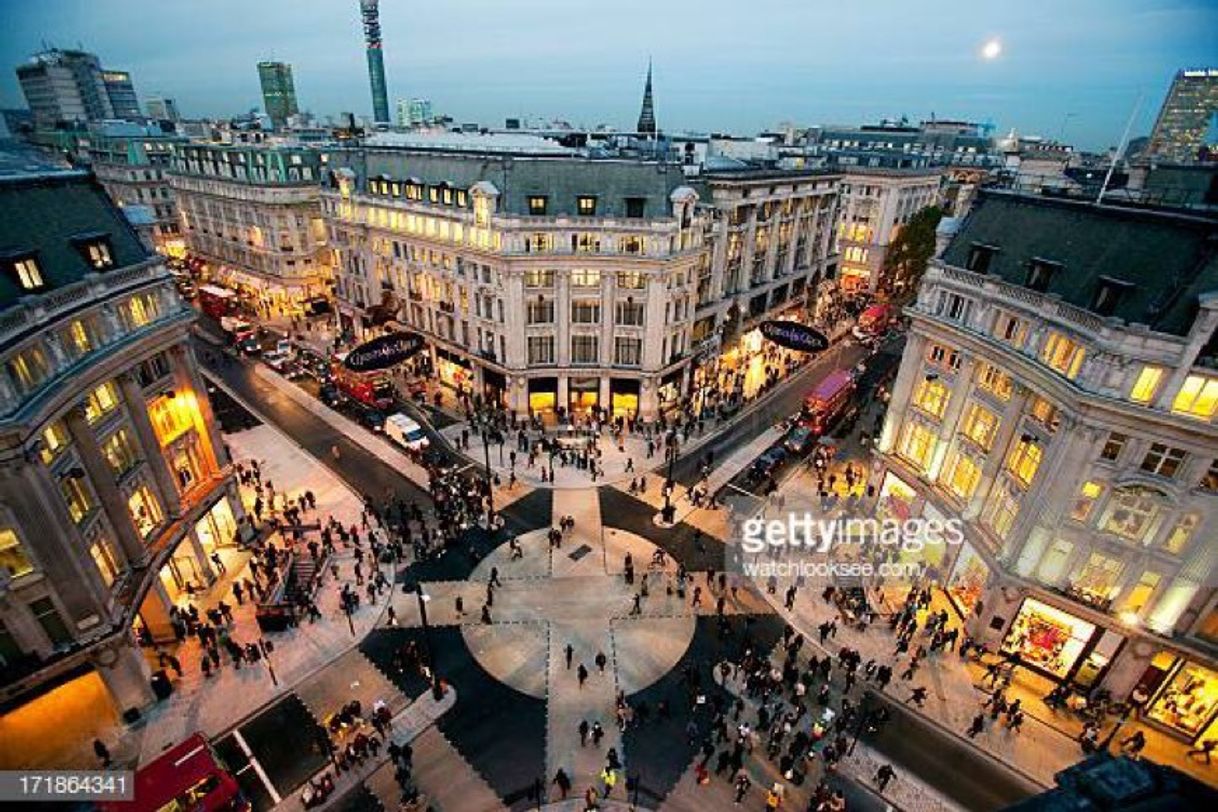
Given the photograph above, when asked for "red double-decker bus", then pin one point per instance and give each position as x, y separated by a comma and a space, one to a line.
828, 401
185, 778
369, 388
217, 302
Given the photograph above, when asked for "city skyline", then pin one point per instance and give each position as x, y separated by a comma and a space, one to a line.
529, 60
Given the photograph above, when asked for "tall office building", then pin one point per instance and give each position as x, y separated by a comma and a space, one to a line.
162, 108
370, 11
65, 86
121, 92
278, 91
414, 112
1186, 116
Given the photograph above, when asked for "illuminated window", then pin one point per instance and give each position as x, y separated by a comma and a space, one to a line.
538, 243
1044, 412
55, 440
630, 245
1088, 495
995, 381
119, 452
1136, 600
962, 476
1001, 510
103, 559
76, 495
1113, 446
534, 278
171, 417
585, 243
980, 425
144, 509
856, 254
28, 369
932, 396
1198, 397
13, 558
537, 205
1025, 459
1131, 514
77, 337
1163, 460
586, 205
1180, 534
632, 280
585, 279
139, 310
917, 444
97, 253
101, 401
1063, 355
1146, 385
25, 269
1098, 576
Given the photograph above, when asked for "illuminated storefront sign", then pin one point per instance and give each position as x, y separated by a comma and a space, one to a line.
896, 499
383, 352
794, 336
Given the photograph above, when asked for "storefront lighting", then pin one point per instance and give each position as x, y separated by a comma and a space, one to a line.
1129, 618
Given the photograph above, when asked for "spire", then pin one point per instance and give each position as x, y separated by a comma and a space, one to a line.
647, 116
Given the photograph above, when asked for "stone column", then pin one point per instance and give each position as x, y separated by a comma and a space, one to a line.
958, 389
898, 402
102, 478
196, 546
1007, 426
154, 455
125, 673
155, 611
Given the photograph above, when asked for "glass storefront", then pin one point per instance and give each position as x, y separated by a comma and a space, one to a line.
217, 528
896, 499
1046, 638
1187, 701
181, 570
624, 397
966, 583
583, 395
453, 375
543, 395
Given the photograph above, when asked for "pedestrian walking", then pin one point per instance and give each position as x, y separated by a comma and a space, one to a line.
884, 774
601, 661
582, 674
977, 726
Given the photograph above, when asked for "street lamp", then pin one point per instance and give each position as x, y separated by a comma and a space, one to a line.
670, 448
490, 488
436, 691
265, 648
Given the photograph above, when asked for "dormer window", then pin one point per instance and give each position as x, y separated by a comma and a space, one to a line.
24, 269
537, 205
95, 248
586, 205
1108, 293
1040, 273
980, 256
636, 207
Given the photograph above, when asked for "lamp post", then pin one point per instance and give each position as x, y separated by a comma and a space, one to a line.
670, 448
490, 488
265, 648
436, 691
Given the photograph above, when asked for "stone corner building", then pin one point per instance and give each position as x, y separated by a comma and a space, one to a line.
554, 281
1058, 392
115, 489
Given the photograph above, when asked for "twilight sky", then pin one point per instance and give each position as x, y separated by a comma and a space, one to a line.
720, 65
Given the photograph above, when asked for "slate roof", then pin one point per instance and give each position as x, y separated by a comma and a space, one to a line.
517, 177
42, 213
1169, 258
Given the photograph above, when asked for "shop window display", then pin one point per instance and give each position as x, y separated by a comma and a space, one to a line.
1047, 638
1187, 703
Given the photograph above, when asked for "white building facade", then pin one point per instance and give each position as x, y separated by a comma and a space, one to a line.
876, 203
1058, 394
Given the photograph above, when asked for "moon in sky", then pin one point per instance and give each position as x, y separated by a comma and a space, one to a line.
992, 49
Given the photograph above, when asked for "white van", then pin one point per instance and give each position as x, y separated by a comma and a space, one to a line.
405, 432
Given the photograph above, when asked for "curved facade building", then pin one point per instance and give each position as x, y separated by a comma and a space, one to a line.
1059, 393
115, 487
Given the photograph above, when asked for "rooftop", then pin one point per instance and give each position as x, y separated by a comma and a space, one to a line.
47, 214
497, 143
1167, 259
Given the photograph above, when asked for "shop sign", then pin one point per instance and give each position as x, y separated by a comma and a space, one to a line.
383, 352
794, 336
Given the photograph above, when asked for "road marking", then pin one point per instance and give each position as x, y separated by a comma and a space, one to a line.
266, 782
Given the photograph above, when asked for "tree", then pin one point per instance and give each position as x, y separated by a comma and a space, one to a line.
909, 253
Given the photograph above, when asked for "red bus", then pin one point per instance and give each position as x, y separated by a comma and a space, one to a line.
217, 302
828, 401
369, 388
874, 321
185, 778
